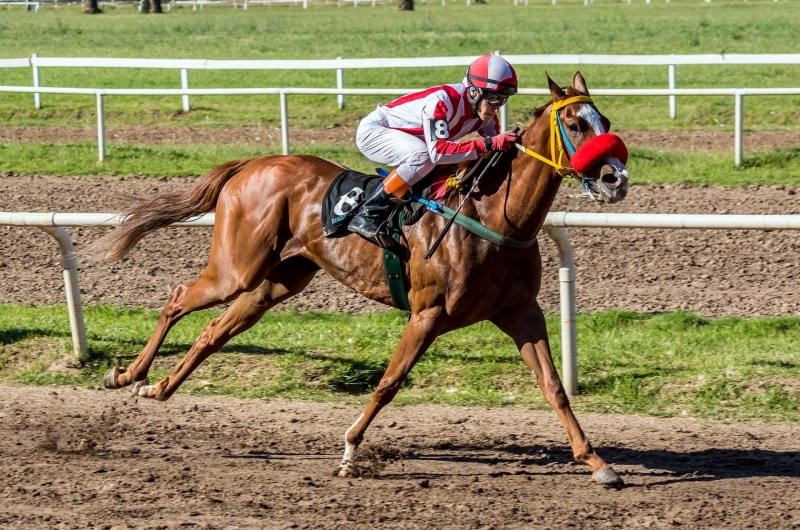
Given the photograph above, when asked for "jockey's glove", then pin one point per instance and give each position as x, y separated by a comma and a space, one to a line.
502, 142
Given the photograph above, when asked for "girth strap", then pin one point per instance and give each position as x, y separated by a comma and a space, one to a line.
393, 265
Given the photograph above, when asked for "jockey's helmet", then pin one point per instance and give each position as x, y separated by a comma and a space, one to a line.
492, 78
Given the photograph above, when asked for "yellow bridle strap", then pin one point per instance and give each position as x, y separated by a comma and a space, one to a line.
555, 132
558, 105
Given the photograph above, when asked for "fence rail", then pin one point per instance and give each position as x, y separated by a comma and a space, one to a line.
737, 93
340, 65
554, 225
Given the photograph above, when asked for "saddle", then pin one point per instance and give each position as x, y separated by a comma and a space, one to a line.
351, 188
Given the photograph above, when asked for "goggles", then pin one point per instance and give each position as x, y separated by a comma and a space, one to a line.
494, 99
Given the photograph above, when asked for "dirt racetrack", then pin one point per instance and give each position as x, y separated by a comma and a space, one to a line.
74, 458
714, 273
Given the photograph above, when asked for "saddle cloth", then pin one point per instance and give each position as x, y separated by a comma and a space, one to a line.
351, 188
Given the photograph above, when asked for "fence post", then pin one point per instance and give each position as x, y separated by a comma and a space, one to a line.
284, 122
101, 128
305, 4
37, 98
569, 332
738, 127
69, 262
673, 103
340, 85
185, 86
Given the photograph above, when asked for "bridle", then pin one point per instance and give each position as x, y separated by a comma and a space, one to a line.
559, 142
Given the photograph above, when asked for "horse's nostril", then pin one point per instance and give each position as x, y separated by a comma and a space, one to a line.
609, 179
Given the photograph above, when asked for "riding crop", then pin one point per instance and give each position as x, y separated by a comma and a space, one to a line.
446, 228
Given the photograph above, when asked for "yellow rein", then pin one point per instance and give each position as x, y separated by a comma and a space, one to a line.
555, 136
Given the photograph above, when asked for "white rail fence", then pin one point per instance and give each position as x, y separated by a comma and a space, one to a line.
199, 4
284, 93
340, 65
555, 223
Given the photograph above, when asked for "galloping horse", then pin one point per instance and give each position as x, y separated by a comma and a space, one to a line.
268, 245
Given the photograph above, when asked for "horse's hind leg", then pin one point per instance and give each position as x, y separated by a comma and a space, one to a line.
183, 299
293, 276
242, 254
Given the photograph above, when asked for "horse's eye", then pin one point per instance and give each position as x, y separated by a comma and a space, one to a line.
573, 127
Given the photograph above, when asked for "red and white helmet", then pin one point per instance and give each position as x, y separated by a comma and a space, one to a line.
492, 72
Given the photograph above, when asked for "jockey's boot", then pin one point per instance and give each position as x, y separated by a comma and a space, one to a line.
372, 220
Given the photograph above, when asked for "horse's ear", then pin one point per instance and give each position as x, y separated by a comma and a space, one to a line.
555, 90
580, 83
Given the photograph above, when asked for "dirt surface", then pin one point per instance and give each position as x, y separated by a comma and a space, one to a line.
271, 136
74, 458
711, 272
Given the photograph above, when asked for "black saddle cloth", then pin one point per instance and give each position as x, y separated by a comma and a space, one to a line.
349, 190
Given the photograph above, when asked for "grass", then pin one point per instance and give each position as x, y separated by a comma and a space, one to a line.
658, 364
777, 167
287, 32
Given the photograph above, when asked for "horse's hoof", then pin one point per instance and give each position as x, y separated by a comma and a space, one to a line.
147, 391
135, 387
608, 477
347, 471
110, 379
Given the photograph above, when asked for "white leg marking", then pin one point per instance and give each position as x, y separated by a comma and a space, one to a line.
147, 391
350, 450
135, 387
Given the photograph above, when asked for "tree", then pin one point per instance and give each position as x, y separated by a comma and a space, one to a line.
91, 7
405, 5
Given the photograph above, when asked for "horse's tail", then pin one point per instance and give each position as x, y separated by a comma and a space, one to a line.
151, 214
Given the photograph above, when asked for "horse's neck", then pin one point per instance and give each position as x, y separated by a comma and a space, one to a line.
521, 204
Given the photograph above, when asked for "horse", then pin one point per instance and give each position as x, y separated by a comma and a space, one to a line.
268, 245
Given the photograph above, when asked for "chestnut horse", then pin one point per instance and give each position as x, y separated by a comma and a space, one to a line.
268, 245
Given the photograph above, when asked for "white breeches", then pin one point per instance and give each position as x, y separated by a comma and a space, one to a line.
407, 154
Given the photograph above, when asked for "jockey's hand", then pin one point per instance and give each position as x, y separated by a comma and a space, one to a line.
502, 142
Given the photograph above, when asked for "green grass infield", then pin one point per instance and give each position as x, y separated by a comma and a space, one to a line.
670, 364
327, 32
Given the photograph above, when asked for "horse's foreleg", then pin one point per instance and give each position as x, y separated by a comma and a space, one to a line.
528, 329
420, 332
241, 316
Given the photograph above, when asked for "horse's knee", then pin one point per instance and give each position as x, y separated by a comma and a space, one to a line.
387, 388
555, 394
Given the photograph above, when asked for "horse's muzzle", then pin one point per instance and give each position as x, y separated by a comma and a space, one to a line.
612, 184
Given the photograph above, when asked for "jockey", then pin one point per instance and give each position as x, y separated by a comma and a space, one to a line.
416, 132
